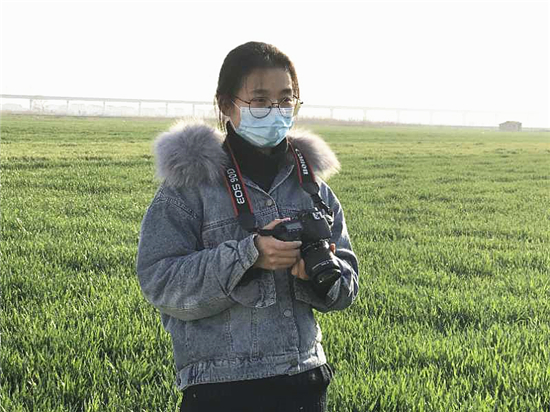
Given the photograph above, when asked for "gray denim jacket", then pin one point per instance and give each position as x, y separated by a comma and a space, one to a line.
193, 253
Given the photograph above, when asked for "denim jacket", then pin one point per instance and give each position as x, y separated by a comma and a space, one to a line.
192, 256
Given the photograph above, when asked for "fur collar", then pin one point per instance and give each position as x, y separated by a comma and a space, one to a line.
191, 154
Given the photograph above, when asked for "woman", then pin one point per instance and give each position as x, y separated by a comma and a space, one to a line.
237, 300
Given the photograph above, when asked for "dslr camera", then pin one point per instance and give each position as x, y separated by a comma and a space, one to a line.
313, 228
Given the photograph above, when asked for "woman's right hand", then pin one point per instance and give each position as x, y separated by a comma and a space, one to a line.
274, 253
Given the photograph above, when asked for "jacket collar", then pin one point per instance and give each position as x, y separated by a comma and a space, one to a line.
191, 154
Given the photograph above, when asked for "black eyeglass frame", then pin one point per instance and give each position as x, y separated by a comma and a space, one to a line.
299, 103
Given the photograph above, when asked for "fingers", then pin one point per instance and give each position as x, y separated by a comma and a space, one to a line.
299, 270
275, 263
282, 246
302, 270
278, 243
333, 247
274, 253
274, 223
285, 263
279, 246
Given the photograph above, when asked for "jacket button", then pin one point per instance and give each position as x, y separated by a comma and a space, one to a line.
269, 202
294, 362
287, 313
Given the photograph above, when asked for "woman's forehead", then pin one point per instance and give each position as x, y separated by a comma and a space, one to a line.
267, 81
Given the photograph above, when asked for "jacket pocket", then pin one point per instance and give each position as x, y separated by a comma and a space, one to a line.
199, 334
219, 231
257, 291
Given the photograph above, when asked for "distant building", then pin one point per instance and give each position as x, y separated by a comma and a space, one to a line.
510, 126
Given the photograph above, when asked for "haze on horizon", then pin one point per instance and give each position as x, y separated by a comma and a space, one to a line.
487, 55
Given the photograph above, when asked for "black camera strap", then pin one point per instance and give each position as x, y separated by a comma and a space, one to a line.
239, 195
307, 179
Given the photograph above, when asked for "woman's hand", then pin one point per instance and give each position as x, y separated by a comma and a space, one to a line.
299, 269
274, 253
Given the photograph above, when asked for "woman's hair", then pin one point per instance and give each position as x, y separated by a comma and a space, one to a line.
240, 62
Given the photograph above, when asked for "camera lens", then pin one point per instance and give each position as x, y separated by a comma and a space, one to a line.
321, 267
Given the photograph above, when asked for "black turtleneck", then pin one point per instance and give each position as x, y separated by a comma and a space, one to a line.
260, 167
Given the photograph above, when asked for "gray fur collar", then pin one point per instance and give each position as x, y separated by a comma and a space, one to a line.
191, 154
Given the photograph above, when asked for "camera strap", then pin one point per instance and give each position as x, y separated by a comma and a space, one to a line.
239, 195
307, 179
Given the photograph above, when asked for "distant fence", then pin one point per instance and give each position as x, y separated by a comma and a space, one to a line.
122, 107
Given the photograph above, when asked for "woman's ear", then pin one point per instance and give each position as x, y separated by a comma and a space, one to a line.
229, 110
225, 105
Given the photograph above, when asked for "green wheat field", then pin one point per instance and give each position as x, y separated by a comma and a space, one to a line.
451, 227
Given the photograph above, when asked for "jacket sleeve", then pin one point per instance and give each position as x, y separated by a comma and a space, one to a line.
345, 289
178, 278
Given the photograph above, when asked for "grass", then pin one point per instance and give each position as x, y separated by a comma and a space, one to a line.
451, 227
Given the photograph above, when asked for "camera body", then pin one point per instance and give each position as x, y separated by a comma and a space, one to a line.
313, 228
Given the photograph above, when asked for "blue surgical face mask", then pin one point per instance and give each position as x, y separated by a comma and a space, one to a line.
267, 131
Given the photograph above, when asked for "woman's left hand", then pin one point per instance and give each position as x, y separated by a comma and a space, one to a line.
299, 268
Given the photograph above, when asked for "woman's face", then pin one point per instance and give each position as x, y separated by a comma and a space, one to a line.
273, 83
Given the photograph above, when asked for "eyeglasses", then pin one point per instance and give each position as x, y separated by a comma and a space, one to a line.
260, 107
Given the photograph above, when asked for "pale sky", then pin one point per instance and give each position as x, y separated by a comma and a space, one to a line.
476, 55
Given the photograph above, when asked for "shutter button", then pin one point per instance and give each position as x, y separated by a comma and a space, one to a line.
287, 313
269, 202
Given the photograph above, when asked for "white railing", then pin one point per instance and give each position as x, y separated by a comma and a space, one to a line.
42, 104
124, 107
